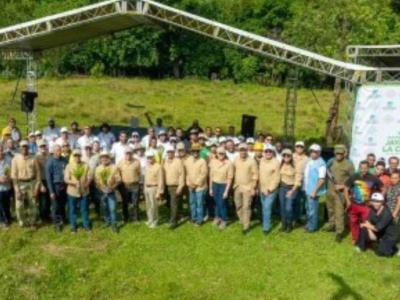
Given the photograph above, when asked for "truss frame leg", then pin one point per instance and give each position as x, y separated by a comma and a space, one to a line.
31, 86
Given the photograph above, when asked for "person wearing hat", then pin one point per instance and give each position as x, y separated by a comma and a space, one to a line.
268, 184
76, 176
66, 151
130, 172
5, 189
118, 148
74, 134
196, 181
12, 131
86, 138
33, 148
162, 141
153, 188
106, 137
244, 186
258, 150
231, 153
44, 197
290, 183
379, 228
54, 171
107, 179
174, 174
93, 162
300, 159
314, 185
250, 144
151, 133
51, 132
339, 170
221, 178
6, 134
134, 141
26, 177
64, 137
357, 192
204, 151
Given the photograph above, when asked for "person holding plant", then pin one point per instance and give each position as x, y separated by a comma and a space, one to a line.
107, 179
77, 179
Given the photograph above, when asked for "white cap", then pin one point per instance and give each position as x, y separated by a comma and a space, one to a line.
135, 133
169, 148
104, 153
128, 149
315, 147
96, 140
300, 143
377, 197
64, 130
236, 141
38, 132
150, 153
23, 143
269, 147
31, 134
222, 139
250, 140
162, 132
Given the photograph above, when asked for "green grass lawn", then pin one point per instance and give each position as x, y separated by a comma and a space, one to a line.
178, 102
189, 263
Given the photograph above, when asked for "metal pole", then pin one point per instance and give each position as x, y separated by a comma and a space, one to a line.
31, 86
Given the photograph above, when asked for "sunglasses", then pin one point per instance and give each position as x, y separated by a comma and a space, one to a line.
287, 155
268, 151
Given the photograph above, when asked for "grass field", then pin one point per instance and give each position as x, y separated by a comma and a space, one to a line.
189, 263
178, 102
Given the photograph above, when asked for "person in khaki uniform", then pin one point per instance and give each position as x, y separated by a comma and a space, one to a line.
107, 179
340, 169
300, 159
196, 180
26, 177
221, 177
245, 186
44, 196
269, 168
174, 173
129, 170
153, 188
77, 178
290, 182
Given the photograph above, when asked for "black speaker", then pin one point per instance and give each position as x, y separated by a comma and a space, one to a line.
248, 125
28, 101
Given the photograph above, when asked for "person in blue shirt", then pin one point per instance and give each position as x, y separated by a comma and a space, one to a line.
32, 146
5, 189
54, 170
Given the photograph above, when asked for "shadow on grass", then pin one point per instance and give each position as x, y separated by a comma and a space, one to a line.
344, 290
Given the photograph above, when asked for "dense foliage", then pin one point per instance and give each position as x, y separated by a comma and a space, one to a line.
324, 26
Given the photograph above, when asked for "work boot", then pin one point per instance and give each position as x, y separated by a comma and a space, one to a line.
328, 228
114, 228
245, 231
222, 225
339, 237
283, 227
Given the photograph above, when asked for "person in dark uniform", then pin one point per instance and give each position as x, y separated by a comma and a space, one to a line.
379, 228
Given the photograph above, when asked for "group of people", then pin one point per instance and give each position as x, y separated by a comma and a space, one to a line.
62, 170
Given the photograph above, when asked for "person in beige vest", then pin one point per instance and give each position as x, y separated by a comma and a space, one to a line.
221, 177
269, 167
290, 183
44, 197
174, 174
196, 180
245, 186
76, 176
130, 171
107, 179
26, 177
153, 188
300, 159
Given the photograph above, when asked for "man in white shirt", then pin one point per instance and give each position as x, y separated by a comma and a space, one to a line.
86, 138
51, 133
146, 139
118, 149
230, 150
106, 137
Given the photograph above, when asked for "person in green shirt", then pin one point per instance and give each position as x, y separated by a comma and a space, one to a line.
204, 151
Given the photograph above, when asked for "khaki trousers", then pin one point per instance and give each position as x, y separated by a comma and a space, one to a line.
336, 209
150, 194
26, 206
243, 201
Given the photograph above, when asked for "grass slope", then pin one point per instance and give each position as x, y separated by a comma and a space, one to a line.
178, 102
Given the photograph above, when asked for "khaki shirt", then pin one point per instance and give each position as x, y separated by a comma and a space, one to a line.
290, 175
221, 171
300, 162
42, 159
246, 173
129, 171
196, 173
25, 168
77, 188
341, 171
154, 177
269, 175
113, 178
174, 173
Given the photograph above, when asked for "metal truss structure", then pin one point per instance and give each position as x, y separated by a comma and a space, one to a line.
356, 51
115, 15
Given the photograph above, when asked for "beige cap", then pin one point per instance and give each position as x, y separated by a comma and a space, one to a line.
76, 152
104, 153
242, 146
221, 150
23, 143
286, 151
180, 146
41, 143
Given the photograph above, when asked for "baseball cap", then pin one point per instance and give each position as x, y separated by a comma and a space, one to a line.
31, 134
250, 140
340, 149
150, 153
138, 147
221, 150
64, 130
299, 144
377, 197
162, 132
41, 143
258, 147
287, 151
23, 143
269, 147
135, 133
38, 132
96, 140
315, 147
169, 148
104, 153
222, 139
6, 131
236, 141
180, 146
128, 149
242, 146
76, 152
195, 147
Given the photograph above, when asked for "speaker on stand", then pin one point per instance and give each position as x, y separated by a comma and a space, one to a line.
248, 125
